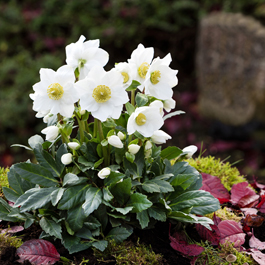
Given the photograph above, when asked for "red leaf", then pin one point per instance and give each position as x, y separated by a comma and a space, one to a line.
256, 243
12, 230
38, 252
213, 185
258, 256
231, 231
211, 235
243, 195
216, 219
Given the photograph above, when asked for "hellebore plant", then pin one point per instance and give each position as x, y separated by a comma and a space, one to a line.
99, 173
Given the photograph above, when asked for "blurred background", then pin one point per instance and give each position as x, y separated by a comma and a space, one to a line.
33, 35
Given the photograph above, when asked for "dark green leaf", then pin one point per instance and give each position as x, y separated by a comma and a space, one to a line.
184, 180
110, 123
35, 140
10, 194
5, 209
157, 213
72, 243
107, 196
121, 191
119, 234
93, 200
170, 152
150, 186
130, 108
84, 233
133, 85
100, 245
164, 185
99, 162
60, 152
51, 227
113, 178
92, 223
143, 218
141, 99
57, 195
139, 202
125, 210
130, 157
71, 179
76, 217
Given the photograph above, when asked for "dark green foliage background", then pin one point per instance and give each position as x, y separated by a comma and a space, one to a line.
33, 35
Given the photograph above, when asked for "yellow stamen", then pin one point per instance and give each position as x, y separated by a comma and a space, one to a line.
101, 93
142, 70
140, 119
155, 77
125, 77
55, 91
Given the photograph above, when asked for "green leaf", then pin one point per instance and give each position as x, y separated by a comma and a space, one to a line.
92, 223
37, 199
84, 163
99, 162
139, 202
100, 245
101, 214
10, 194
93, 200
71, 179
170, 152
130, 108
131, 168
51, 227
121, 191
107, 196
46, 160
76, 217
35, 140
183, 180
174, 113
104, 142
71, 243
72, 197
21, 145
133, 85
5, 209
150, 186
141, 99
143, 218
202, 202
60, 152
110, 123
90, 151
125, 210
24, 197
36, 174
163, 185
130, 157
17, 183
157, 213
113, 178
57, 195
84, 233
119, 234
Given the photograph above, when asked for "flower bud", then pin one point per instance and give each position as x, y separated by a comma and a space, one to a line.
169, 104
67, 158
160, 137
103, 173
148, 145
51, 132
121, 135
82, 112
74, 145
115, 141
190, 150
134, 148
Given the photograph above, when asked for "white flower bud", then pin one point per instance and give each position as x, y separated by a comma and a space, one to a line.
169, 104
160, 137
191, 149
103, 173
134, 148
51, 132
82, 112
115, 141
121, 135
74, 145
148, 145
67, 158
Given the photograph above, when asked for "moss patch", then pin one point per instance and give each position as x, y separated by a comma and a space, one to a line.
3, 179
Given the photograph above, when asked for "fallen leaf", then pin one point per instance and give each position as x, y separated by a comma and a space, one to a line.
38, 252
256, 243
212, 236
258, 256
12, 230
247, 211
253, 220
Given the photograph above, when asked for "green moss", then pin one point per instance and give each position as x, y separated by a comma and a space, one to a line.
9, 241
217, 256
224, 171
3, 179
225, 214
128, 253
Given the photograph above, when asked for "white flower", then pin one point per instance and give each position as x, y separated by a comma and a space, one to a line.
102, 93
145, 120
67, 158
140, 61
55, 93
134, 148
158, 104
84, 55
127, 73
148, 145
51, 132
46, 117
160, 79
121, 135
169, 104
103, 173
74, 145
160, 137
190, 150
115, 141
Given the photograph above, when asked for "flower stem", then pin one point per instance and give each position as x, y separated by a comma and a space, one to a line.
133, 97
104, 148
81, 128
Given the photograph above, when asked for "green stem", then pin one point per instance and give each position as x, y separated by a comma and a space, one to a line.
104, 148
133, 97
95, 128
81, 127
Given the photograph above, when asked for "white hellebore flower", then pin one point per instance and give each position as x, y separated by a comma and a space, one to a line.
121, 135
84, 55
140, 61
115, 141
160, 79
160, 137
126, 72
148, 149
158, 104
145, 120
55, 92
102, 93
134, 148
67, 158
191, 150
169, 104
103, 173
74, 145
51, 132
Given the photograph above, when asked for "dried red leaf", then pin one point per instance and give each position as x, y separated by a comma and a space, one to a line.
253, 220
12, 230
212, 236
216, 219
213, 185
258, 256
256, 243
231, 231
38, 252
